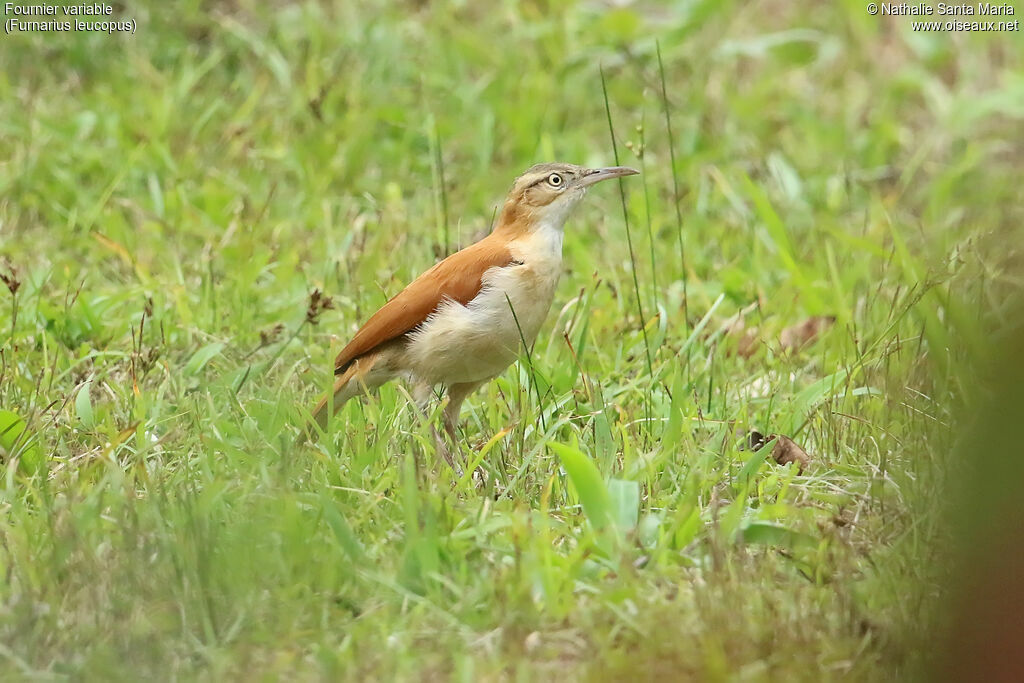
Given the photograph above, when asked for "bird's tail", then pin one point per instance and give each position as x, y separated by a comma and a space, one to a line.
356, 378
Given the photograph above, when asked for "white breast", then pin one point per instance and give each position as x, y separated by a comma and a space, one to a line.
478, 341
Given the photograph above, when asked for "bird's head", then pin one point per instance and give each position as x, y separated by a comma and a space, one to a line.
547, 193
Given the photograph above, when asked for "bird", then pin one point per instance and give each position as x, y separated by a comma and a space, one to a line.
465, 320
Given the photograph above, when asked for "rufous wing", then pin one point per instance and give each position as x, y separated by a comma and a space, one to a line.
458, 277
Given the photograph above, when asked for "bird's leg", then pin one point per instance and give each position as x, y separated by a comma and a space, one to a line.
421, 394
445, 451
457, 393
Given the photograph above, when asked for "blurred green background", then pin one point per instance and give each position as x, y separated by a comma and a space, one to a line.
169, 200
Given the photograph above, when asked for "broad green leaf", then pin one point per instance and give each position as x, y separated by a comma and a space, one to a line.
625, 500
11, 427
201, 357
647, 529
586, 478
604, 442
752, 465
14, 441
83, 406
675, 419
768, 533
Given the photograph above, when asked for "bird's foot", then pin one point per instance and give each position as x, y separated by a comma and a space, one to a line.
446, 453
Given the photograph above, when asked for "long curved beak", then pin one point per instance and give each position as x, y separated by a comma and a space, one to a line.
596, 175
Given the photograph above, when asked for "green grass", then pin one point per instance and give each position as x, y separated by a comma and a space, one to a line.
170, 200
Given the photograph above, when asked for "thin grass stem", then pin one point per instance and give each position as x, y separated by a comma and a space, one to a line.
675, 182
629, 235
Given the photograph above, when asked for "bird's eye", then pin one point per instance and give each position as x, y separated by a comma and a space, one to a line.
555, 180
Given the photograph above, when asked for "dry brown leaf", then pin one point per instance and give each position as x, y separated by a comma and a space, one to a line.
747, 340
795, 337
748, 344
791, 339
786, 451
